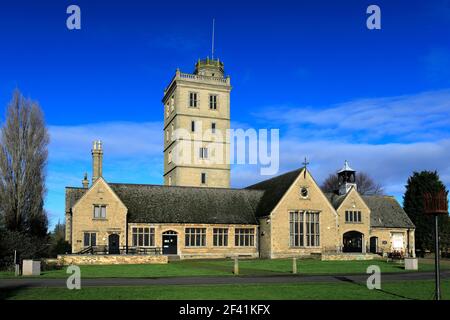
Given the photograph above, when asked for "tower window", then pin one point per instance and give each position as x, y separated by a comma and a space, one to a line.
203, 153
213, 102
193, 126
172, 103
169, 157
170, 180
193, 99
213, 127
203, 178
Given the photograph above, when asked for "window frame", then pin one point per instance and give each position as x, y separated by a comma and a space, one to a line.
203, 177
213, 102
244, 237
353, 216
102, 212
195, 237
92, 238
203, 153
143, 237
304, 229
193, 99
220, 237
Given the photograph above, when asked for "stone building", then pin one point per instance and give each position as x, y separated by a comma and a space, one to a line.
195, 214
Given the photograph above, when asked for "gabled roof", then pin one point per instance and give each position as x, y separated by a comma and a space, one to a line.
72, 196
385, 211
274, 189
172, 204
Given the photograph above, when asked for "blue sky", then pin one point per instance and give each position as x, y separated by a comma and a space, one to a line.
335, 89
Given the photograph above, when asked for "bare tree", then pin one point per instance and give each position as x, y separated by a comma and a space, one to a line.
365, 184
23, 158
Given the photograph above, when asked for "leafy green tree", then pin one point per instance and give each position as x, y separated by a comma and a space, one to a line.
413, 203
59, 245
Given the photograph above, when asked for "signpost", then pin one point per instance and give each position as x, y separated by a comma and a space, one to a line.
435, 204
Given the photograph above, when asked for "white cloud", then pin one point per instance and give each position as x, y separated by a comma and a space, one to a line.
408, 118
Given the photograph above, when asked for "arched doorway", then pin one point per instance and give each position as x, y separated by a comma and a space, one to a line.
169, 242
113, 244
353, 241
373, 244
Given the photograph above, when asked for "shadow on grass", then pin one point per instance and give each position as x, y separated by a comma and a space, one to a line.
11, 291
345, 279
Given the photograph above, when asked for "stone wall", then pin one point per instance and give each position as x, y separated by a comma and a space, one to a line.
209, 250
83, 216
348, 257
292, 200
85, 259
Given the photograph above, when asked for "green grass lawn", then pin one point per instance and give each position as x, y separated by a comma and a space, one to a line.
225, 267
422, 290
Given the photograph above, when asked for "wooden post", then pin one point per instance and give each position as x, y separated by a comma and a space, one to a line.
236, 266
294, 265
16, 265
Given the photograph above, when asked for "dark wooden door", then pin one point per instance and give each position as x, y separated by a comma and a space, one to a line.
374, 245
113, 244
169, 243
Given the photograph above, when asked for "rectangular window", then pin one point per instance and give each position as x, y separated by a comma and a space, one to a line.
203, 154
195, 237
169, 157
203, 178
99, 211
301, 221
213, 127
244, 237
143, 237
312, 229
172, 103
193, 126
213, 102
353, 216
90, 239
193, 99
296, 229
220, 237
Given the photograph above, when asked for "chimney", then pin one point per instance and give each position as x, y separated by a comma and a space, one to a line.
97, 160
85, 182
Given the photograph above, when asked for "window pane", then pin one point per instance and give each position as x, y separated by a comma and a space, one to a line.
93, 239
86, 239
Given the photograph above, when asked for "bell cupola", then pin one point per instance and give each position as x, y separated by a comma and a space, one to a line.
346, 178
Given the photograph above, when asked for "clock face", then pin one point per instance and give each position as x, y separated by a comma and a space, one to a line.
304, 192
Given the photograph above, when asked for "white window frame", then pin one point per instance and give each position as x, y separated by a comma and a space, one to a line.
99, 211
244, 237
203, 153
143, 237
195, 237
220, 237
304, 228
